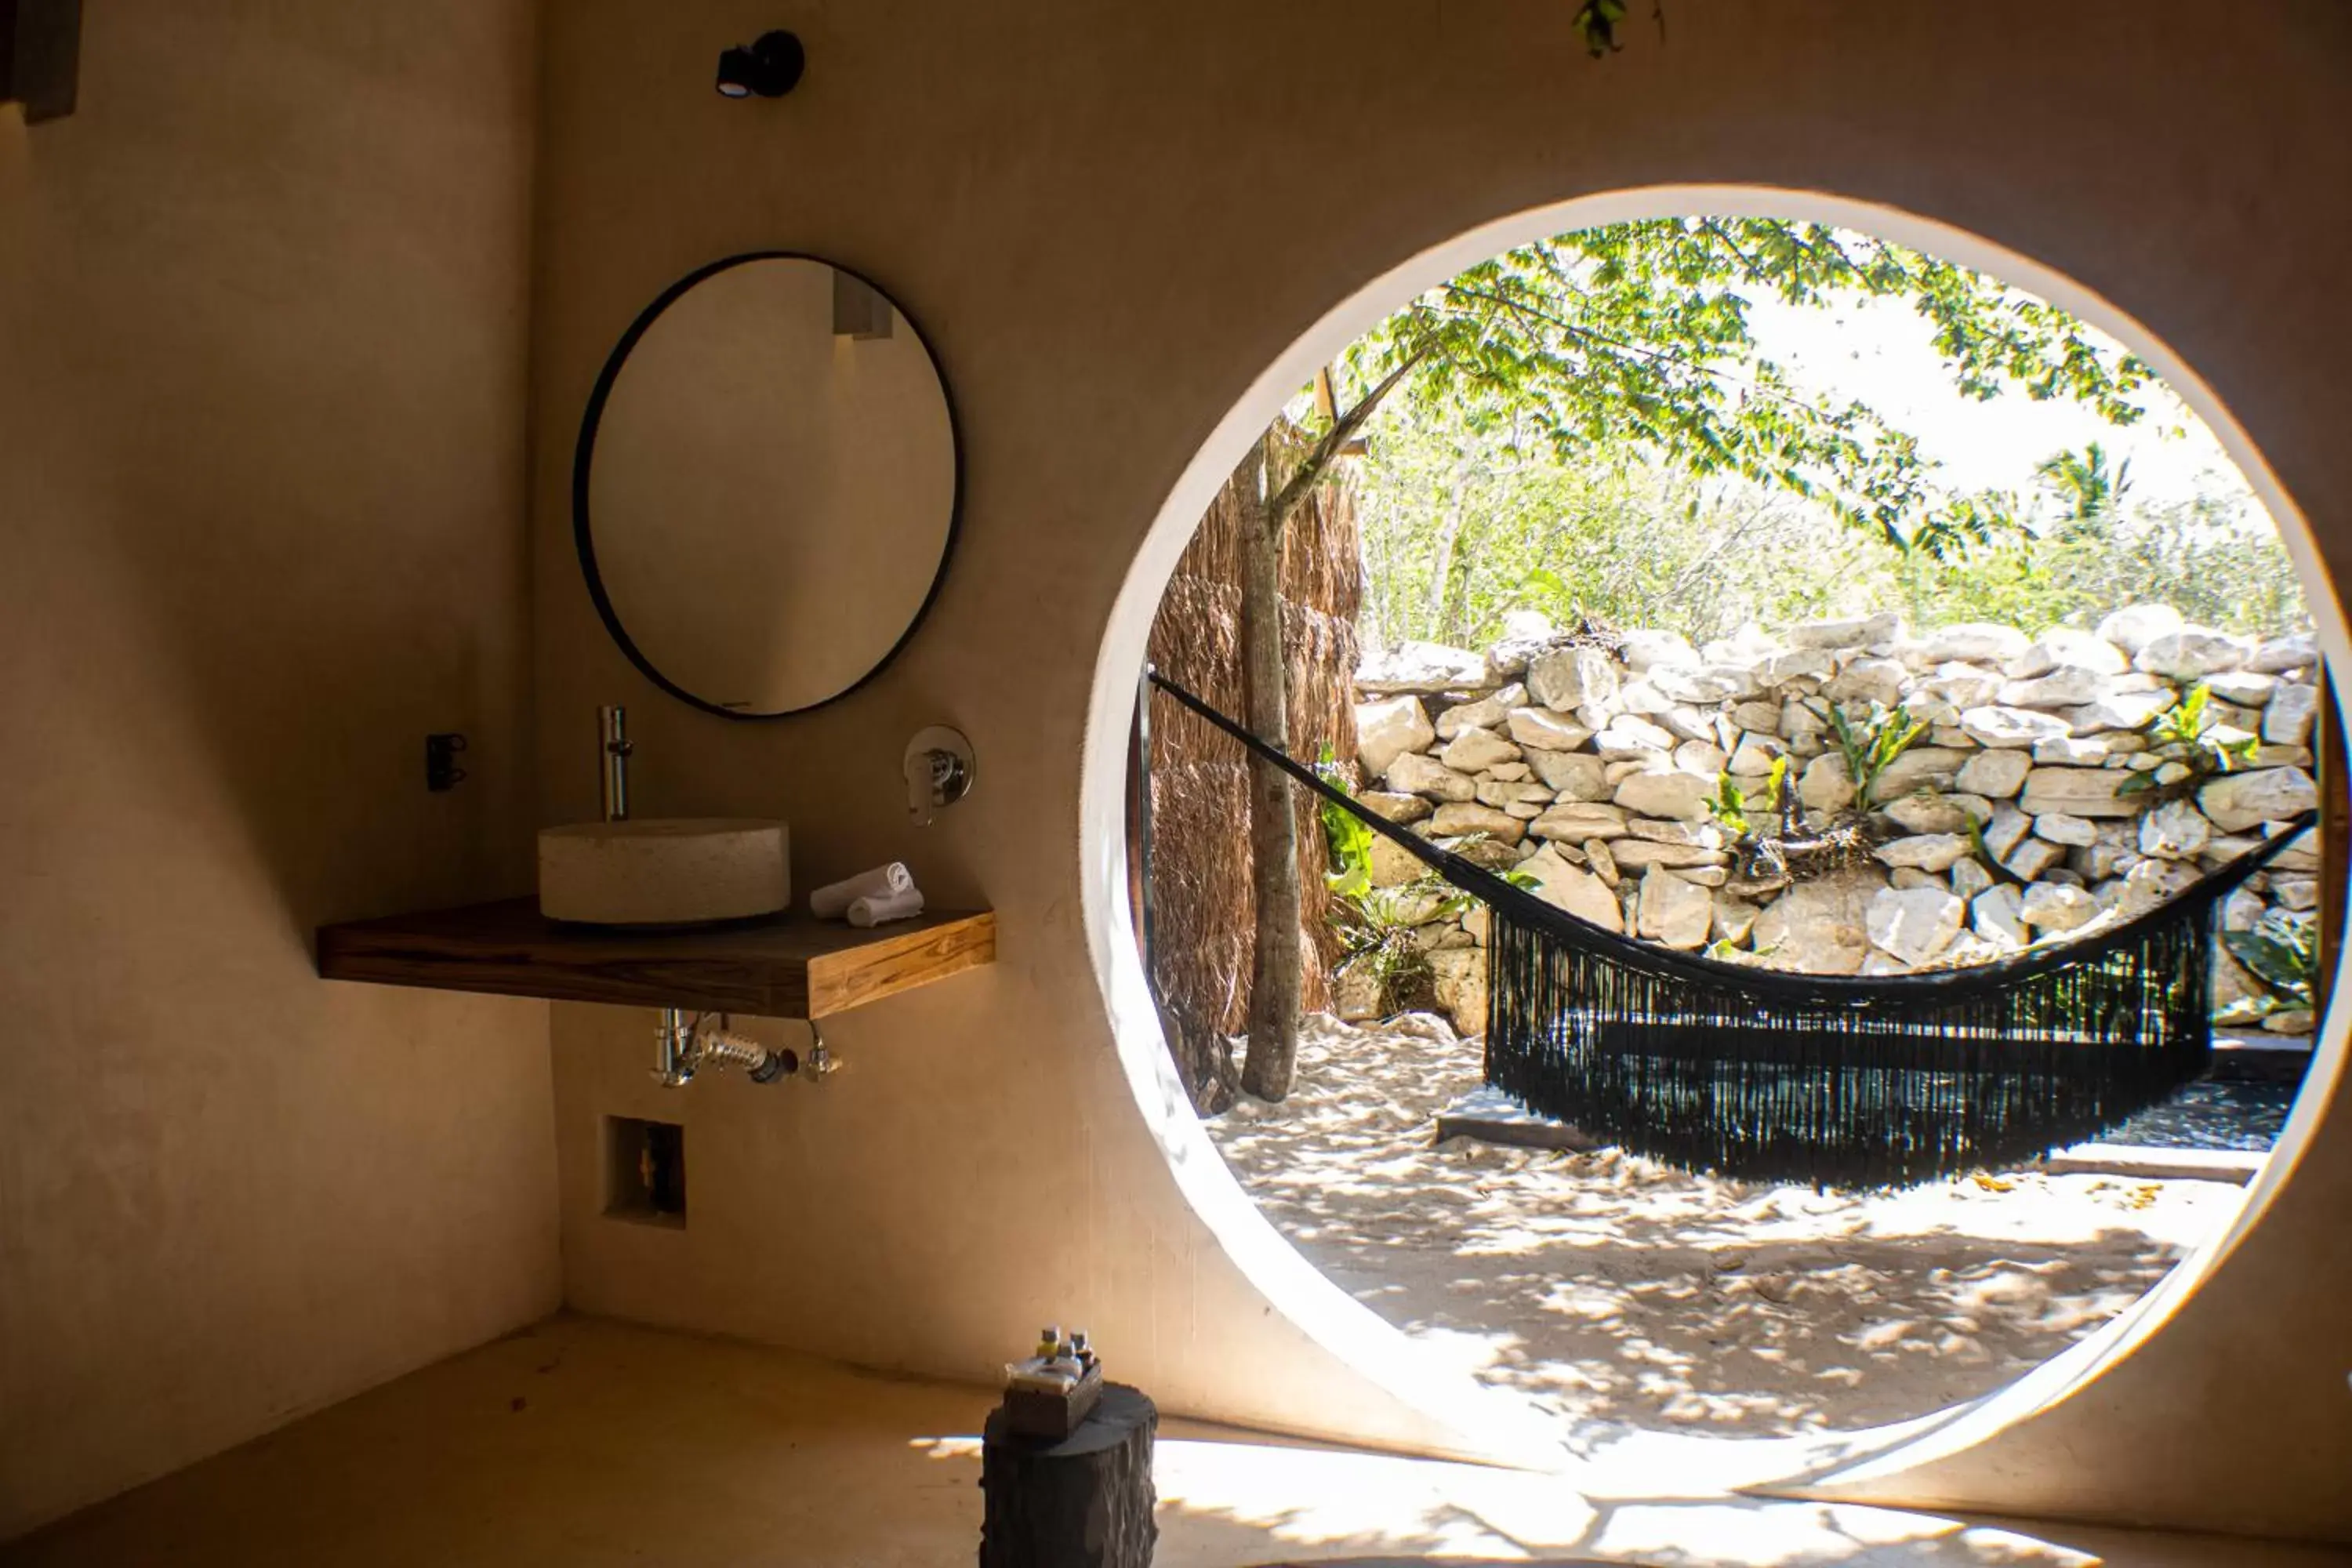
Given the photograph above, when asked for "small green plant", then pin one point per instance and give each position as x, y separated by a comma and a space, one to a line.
1378, 930
2282, 952
2183, 733
1729, 804
1346, 842
1871, 745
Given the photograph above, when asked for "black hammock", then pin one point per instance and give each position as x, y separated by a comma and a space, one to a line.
1838, 1080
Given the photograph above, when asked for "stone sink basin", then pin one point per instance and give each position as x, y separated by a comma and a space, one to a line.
665, 872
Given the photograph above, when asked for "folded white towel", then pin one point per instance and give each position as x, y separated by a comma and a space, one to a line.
831, 902
873, 911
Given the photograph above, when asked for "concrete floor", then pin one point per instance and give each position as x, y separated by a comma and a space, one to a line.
588, 1443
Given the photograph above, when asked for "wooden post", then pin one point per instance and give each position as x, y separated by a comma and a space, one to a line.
1083, 1502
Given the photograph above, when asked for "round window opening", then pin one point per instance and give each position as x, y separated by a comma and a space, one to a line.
1812, 907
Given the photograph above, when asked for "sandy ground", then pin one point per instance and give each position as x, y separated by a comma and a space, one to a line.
1616, 1290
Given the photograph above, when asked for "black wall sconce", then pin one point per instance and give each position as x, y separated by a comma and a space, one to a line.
770, 67
40, 56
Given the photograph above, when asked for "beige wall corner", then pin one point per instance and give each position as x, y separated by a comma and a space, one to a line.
263, 305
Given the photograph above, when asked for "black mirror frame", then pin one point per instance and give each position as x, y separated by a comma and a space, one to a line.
584, 458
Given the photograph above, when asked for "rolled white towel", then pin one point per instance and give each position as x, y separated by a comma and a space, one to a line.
898, 906
832, 901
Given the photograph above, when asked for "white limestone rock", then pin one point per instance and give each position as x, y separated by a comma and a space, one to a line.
2242, 688
1980, 642
1994, 916
1969, 878
2134, 627
1995, 775
1574, 822
1915, 924
2279, 656
1525, 634
1483, 714
1865, 680
1925, 811
1672, 911
2071, 752
1673, 795
1541, 729
1455, 818
1394, 865
2032, 858
2237, 801
1475, 749
1570, 677
1629, 736
1702, 685
2287, 721
2067, 685
2077, 792
1704, 758
1412, 773
1502, 794
1825, 786
1598, 855
2176, 830
2118, 711
1424, 667
1572, 775
1924, 851
1395, 807
1797, 664
1756, 755
2153, 882
1387, 728
2057, 907
1640, 854
1998, 726
1962, 685
1734, 919
1860, 631
1646, 649
2065, 828
1690, 724
1819, 927
2296, 893
2192, 653
1458, 980
2060, 647
1566, 886
2008, 828
2242, 909
1921, 767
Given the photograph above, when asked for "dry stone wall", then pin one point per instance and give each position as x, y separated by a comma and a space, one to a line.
2010, 821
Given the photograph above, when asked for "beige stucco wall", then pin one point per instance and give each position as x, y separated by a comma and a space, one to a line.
1109, 219
263, 307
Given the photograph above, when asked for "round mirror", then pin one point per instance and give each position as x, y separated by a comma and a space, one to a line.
766, 486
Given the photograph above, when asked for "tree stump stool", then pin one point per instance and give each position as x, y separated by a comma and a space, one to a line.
1083, 1502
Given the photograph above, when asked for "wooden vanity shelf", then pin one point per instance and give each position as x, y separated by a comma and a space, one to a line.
791, 966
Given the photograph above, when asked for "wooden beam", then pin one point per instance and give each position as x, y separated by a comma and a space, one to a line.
41, 57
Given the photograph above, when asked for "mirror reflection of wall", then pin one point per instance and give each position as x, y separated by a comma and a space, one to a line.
766, 486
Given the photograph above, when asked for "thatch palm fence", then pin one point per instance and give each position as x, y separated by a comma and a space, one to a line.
1202, 916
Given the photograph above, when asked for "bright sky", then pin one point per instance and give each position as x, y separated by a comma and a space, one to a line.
1879, 351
